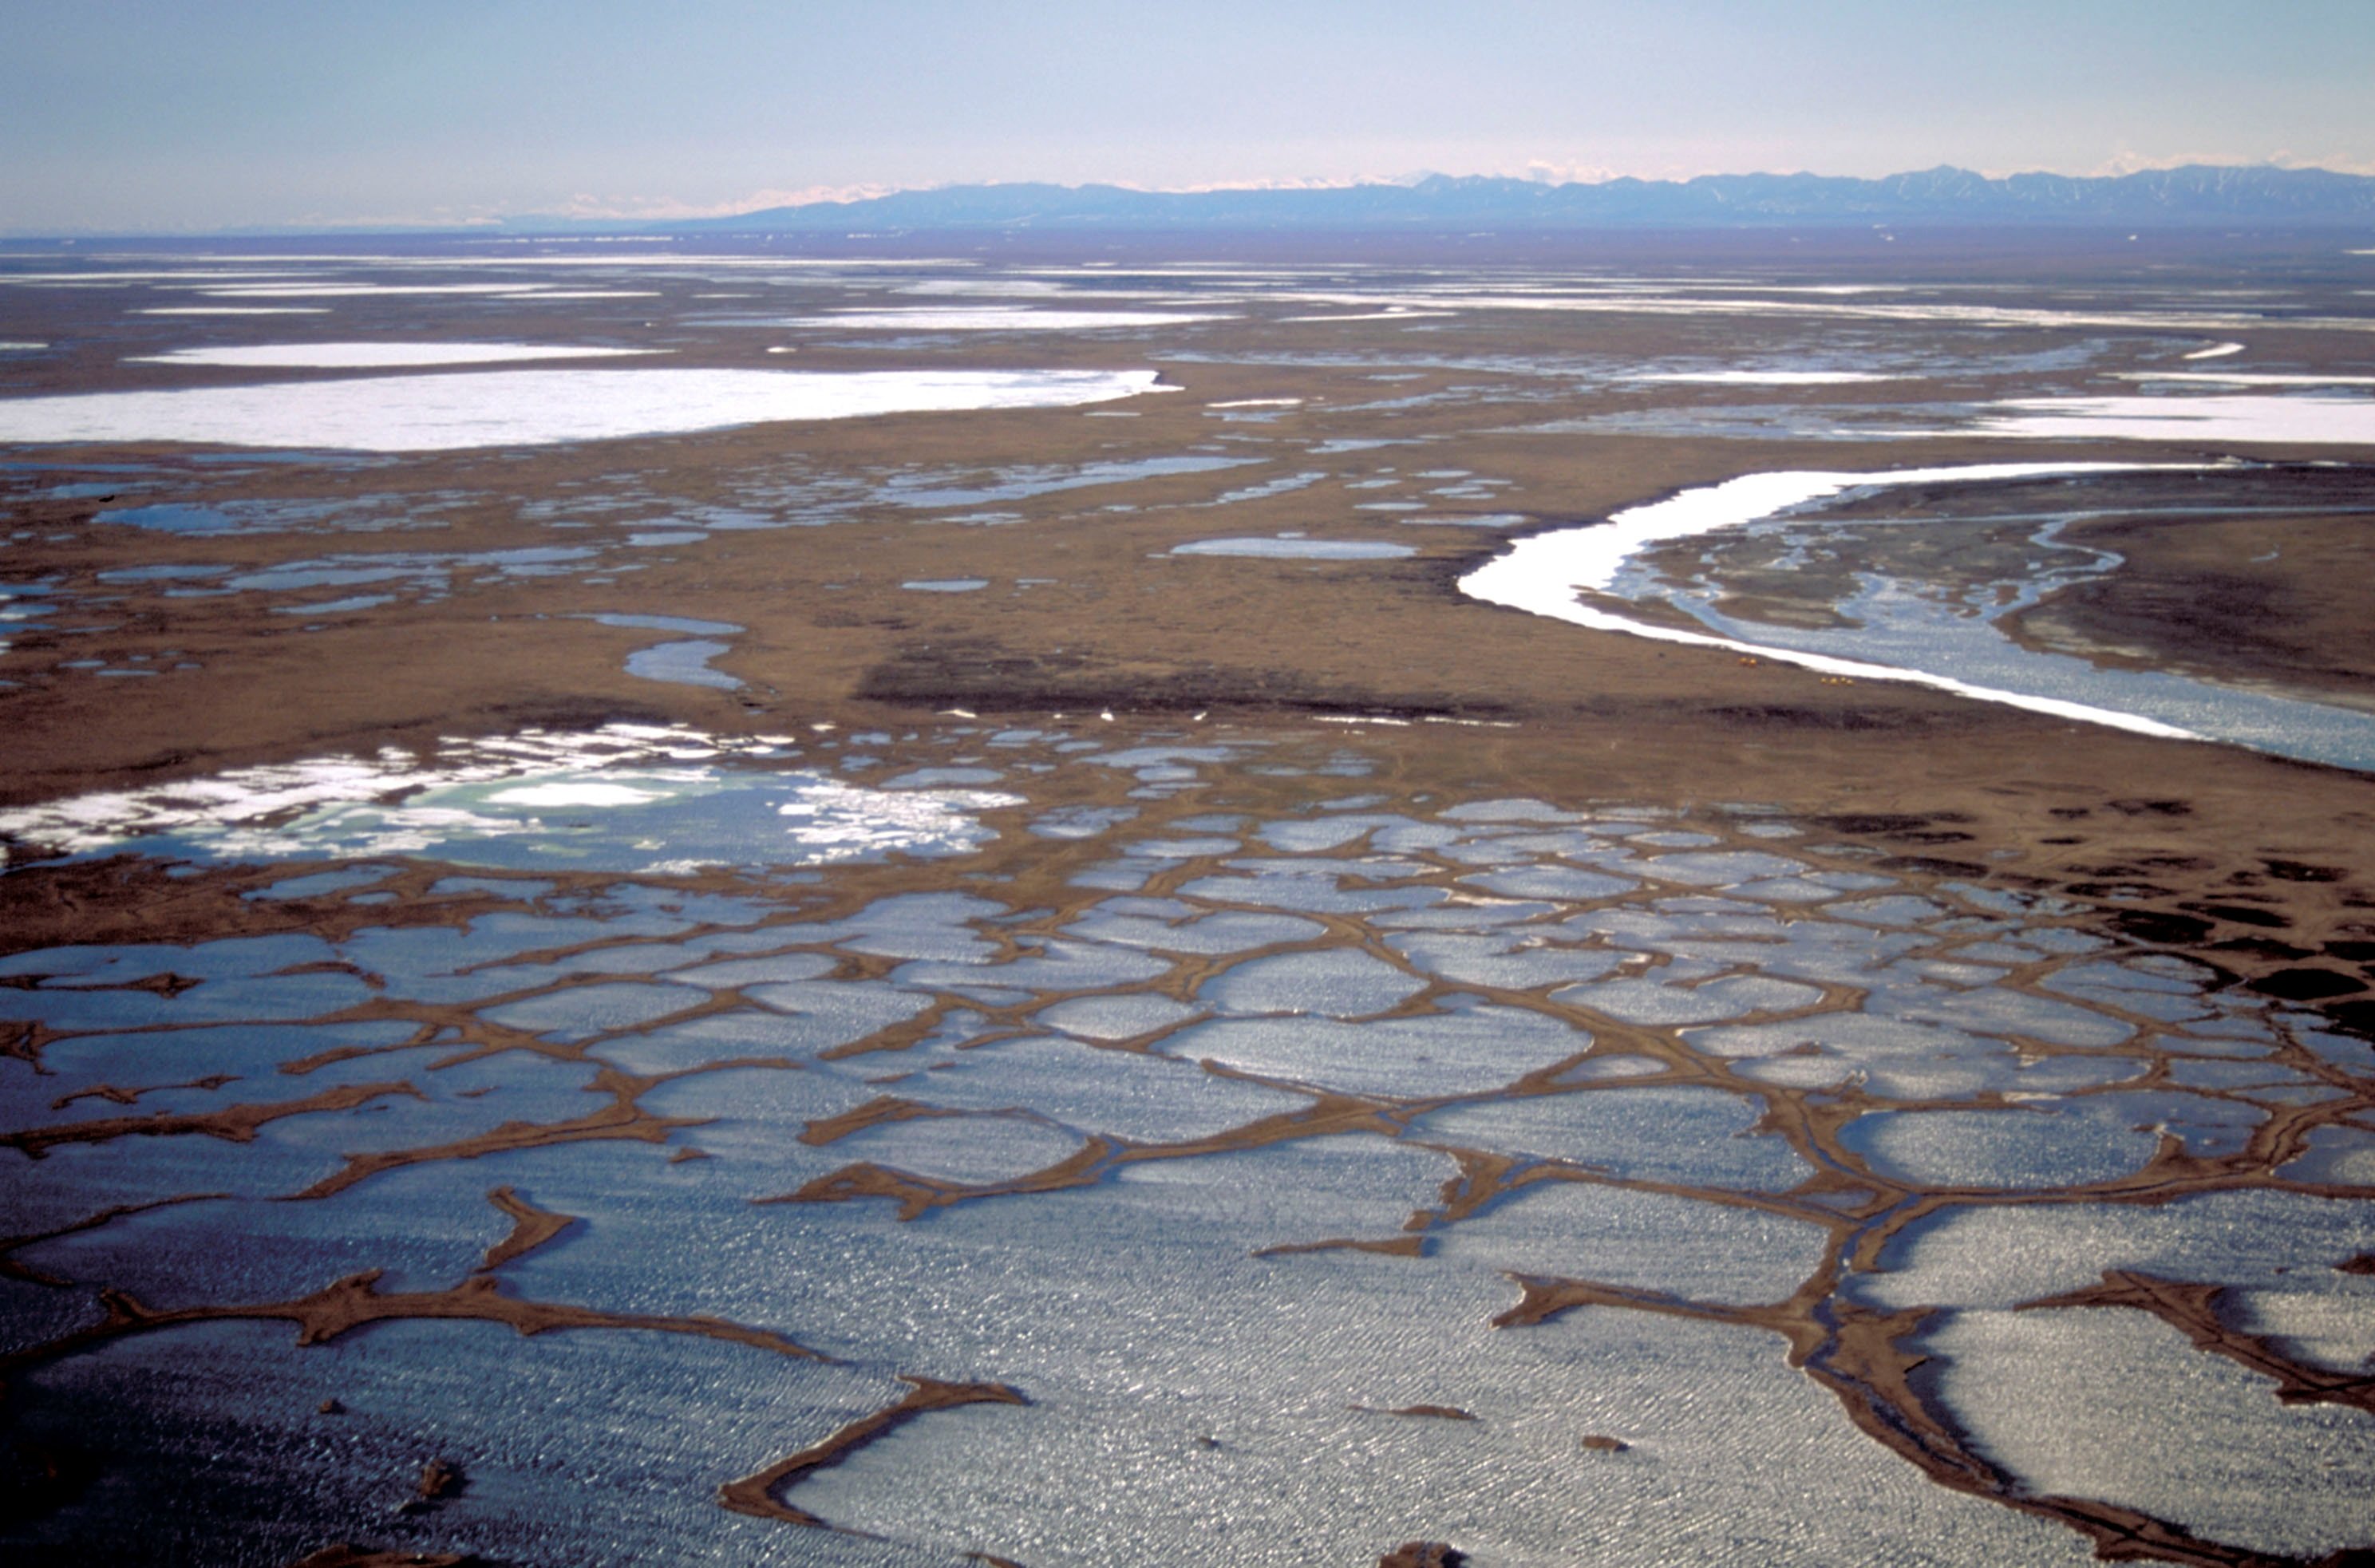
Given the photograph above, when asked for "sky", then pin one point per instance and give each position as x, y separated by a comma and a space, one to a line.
170, 115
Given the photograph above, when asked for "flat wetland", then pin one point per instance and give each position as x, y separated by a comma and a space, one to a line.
910, 919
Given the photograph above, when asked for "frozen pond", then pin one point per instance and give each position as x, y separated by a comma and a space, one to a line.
2297, 420
624, 797
999, 318
372, 356
535, 408
1264, 1154
1887, 628
1298, 549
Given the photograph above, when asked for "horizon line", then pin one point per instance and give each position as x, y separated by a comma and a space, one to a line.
656, 214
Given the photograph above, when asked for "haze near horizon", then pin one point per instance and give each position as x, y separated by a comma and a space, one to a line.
136, 116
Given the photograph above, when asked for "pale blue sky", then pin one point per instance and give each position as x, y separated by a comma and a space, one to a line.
170, 114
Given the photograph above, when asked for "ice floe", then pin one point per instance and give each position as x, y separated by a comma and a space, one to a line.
2296, 420
372, 356
1001, 318
1637, 301
666, 799
2246, 378
1298, 550
339, 290
1764, 378
1365, 315
435, 413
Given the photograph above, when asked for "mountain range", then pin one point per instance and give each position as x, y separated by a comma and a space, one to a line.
2194, 197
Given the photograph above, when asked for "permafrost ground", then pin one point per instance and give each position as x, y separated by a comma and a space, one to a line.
1221, 1135
916, 953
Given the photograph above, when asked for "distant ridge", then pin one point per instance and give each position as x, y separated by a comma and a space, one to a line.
2194, 197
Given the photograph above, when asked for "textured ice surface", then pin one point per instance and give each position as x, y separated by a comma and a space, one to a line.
1115, 1018
2112, 1404
975, 1149
1465, 1052
1118, 1122
1511, 961
1648, 1240
1331, 984
1700, 1137
1551, 882
2059, 1142
1224, 932
1058, 965
1136, 1444
2333, 1327
1145, 1100
1663, 1001
2000, 1258
675, 1417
